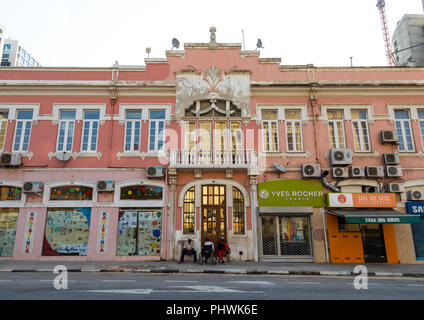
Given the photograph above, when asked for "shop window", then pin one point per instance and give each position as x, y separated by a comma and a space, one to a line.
10, 193
8, 222
343, 227
238, 212
67, 232
418, 236
141, 192
139, 233
285, 236
71, 193
189, 212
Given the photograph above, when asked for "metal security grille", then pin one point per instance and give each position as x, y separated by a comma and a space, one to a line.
285, 236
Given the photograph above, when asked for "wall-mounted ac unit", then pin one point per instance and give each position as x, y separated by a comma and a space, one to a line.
374, 172
105, 186
10, 159
414, 195
391, 158
357, 171
340, 157
154, 172
32, 187
388, 136
311, 170
340, 172
395, 187
394, 171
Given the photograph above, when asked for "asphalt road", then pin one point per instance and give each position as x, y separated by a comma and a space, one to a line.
129, 286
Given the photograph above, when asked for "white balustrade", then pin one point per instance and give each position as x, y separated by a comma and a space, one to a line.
213, 158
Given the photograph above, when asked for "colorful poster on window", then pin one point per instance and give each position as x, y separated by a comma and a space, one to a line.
8, 222
102, 232
67, 232
139, 233
29, 235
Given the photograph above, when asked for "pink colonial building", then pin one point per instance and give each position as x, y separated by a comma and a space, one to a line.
126, 163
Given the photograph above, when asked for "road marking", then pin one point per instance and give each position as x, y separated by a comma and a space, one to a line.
118, 280
127, 291
52, 280
254, 282
6, 280
180, 281
300, 282
212, 289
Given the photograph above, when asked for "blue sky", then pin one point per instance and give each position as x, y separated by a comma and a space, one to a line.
96, 33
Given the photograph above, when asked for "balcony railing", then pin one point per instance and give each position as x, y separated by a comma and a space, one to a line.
213, 159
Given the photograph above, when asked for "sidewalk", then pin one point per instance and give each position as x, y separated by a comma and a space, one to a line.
237, 267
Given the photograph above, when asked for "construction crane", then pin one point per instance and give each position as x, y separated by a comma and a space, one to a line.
381, 5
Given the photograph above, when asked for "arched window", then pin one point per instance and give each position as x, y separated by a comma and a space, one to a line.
238, 211
189, 212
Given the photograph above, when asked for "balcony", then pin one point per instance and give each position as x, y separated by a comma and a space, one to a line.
220, 159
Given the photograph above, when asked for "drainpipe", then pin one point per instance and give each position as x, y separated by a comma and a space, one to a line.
113, 98
254, 216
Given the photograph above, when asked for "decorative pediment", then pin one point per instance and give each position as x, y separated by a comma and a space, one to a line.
213, 108
213, 91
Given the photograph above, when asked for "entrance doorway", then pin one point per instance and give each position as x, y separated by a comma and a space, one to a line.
213, 213
373, 243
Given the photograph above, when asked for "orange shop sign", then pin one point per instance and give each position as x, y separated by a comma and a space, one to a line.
361, 200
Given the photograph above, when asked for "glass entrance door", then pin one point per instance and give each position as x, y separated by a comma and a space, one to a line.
213, 213
373, 243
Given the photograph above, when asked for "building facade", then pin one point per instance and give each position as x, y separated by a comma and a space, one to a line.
126, 163
15, 56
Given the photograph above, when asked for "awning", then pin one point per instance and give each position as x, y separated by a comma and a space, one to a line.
375, 216
286, 211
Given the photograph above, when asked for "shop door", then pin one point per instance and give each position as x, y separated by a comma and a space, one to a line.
213, 213
373, 243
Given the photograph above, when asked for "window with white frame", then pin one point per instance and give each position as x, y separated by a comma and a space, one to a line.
4, 115
236, 135
336, 128
270, 130
421, 119
403, 128
156, 131
90, 130
22, 130
360, 130
132, 130
65, 139
294, 131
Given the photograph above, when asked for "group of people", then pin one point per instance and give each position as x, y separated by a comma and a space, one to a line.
222, 249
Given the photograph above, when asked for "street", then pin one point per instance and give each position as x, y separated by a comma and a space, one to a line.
129, 286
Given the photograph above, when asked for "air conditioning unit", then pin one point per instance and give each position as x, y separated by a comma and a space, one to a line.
388, 136
340, 157
105, 186
357, 171
414, 195
394, 171
391, 158
340, 172
394, 187
32, 187
10, 159
374, 172
311, 170
154, 172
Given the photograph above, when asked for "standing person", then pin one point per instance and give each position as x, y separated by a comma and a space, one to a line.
223, 248
188, 250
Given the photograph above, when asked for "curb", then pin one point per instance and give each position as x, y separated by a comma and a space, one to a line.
379, 274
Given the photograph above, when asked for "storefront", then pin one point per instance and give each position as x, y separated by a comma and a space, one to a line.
140, 220
67, 227
417, 208
285, 211
358, 232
